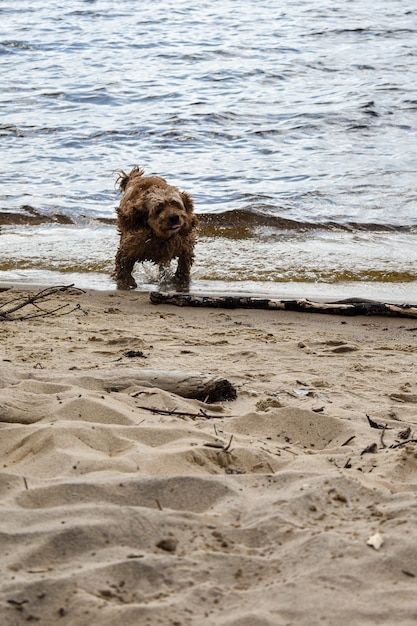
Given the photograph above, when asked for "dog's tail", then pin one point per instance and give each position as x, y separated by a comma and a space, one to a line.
123, 178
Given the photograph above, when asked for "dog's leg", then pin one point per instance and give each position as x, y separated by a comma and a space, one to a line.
123, 270
182, 275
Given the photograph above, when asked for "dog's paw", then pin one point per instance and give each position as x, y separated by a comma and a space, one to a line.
126, 284
181, 282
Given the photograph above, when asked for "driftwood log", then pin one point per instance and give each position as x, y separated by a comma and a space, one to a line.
185, 384
350, 306
194, 385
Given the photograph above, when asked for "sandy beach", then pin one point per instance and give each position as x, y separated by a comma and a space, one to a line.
122, 503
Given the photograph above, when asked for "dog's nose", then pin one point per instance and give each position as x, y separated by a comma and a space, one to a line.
173, 219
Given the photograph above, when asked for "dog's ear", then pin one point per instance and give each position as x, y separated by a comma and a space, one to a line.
139, 217
132, 216
190, 224
187, 201
123, 178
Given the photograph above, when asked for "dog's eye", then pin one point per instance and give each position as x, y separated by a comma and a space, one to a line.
159, 208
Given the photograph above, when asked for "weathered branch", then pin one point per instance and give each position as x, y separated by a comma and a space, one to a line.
16, 304
341, 307
193, 385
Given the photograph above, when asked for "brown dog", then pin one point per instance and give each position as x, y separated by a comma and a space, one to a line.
156, 223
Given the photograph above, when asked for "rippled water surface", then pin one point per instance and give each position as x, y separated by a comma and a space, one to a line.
293, 125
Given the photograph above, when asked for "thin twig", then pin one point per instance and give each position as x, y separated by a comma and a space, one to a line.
382, 436
403, 443
181, 413
6, 314
286, 449
219, 445
51, 313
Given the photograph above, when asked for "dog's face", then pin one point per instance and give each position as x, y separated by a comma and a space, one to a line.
169, 211
149, 202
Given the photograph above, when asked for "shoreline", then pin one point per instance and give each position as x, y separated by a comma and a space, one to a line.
329, 265
254, 511
395, 293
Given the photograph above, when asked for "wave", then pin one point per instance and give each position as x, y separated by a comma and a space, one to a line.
29, 216
246, 222
234, 224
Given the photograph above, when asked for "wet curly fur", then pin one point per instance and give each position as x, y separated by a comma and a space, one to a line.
156, 223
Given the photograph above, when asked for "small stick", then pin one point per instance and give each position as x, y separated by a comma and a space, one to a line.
268, 464
26, 482
403, 443
382, 436
181, 413
408, 573
219, 446
287, 450
6, 314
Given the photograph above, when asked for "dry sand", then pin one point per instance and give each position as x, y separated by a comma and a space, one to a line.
114, 514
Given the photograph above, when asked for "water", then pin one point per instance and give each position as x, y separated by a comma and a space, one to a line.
293, 125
